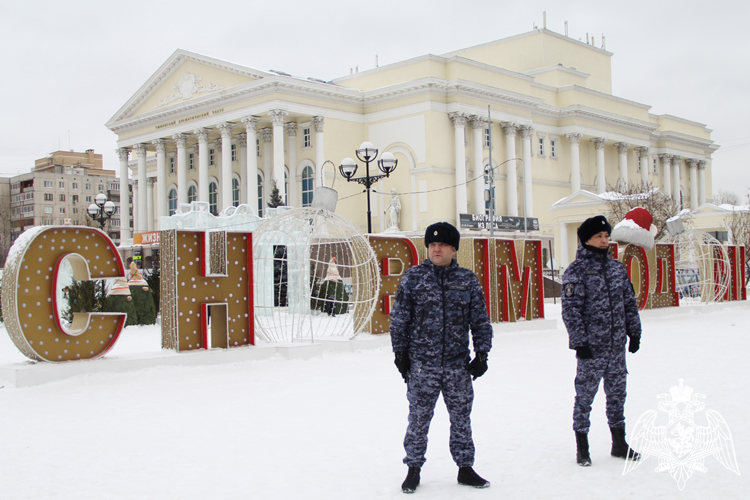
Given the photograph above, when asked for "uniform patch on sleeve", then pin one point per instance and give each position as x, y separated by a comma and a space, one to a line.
570, 289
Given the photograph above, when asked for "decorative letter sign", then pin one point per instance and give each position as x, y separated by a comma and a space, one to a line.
206, 275
30, 298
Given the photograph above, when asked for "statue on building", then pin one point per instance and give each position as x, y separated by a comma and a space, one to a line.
394, 211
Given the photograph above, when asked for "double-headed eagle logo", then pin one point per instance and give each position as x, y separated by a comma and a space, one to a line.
681, 446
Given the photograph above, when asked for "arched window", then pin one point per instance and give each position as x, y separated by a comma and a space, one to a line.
213, 206
260, 195
235, 191
307, 186
172, 201
192, 194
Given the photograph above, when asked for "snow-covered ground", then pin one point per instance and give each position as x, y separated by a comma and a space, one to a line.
331, 427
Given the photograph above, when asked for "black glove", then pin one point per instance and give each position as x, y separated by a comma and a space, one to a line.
635, 344
584, 352
478, 365
403, 364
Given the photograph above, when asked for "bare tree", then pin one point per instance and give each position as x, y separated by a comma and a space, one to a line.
6, 232
723, 197
662, 207
738, 225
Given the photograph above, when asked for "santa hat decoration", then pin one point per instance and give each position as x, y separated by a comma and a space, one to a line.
636, 229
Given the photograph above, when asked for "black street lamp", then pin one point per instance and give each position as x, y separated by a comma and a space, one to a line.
101, 210
367, 153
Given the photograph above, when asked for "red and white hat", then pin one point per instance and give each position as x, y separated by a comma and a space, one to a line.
636, 229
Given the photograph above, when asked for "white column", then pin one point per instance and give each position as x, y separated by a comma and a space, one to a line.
150, 204
320, 156
526, 134
141, 151
692, 164
122, 153
226, 164
701, 183
251, 174
511, 181
136, 220
267, 165
242, 147
666, 174
459, 146
575, 162
601, 176
564, 255
622, 157
478, 124
291, 133
676, 167
277, 116
161, 179
182, 166
202, 134
643, 155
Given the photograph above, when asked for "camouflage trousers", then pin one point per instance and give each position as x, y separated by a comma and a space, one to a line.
608, 364
425, 385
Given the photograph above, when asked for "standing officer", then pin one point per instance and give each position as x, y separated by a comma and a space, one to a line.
600, 311
437, 303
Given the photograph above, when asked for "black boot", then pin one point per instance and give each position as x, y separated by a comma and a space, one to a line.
412, 480
582, 449
468, 477
620, 447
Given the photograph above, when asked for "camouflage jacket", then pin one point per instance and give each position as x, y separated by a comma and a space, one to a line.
598, 301
434, 310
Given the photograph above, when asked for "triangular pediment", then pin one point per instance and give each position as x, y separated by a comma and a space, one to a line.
184, 77
578, 198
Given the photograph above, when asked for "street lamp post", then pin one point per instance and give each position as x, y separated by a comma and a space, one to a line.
367, 153
101, 210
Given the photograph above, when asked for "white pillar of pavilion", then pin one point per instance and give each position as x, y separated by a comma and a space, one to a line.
511, 180
122, 153
267, 165
676, 167
622, 157
291, 133
692, 164
242, 146
150, 204
320, 156
251, 172
141, 151
226, 164
643, 156
701, 183
136, 222
277, 117
601, 176
202, 135
526, 134
666, 174
478, 126
459, 128
575, 162
181, 142
161, 178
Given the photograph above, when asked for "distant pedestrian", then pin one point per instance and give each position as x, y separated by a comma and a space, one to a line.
600, 313
436, 304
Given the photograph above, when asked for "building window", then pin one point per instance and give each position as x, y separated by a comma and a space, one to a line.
191, 161
62, 210
114, 223
656, 171
306, 138
553, 148
234, 153
211, 157
48, 197
74, 185
235, 191
307, 186
88, 186
75, 210
47, 184
114, 186
62, 197
192, 194
172, 201
61, 184
88, 199
171, 164
486, 137
75, 198
541, 146
212, 198
260, 196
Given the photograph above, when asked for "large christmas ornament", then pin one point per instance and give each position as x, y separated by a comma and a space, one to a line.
315, 276
702, 264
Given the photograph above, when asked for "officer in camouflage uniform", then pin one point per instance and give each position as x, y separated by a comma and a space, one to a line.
436, 304
600, 312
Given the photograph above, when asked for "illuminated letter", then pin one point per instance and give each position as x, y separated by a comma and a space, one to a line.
395, 255
202, 271
636, 262
30, 299
521, 288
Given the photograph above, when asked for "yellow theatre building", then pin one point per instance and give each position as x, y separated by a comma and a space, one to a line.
203, 129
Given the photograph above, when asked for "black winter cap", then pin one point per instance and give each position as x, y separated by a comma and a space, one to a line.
442, 232
592, 226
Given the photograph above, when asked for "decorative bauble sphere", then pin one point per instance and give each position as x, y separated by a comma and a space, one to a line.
315, 276
702, 266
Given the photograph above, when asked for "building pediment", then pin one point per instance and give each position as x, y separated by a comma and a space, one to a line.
183, 77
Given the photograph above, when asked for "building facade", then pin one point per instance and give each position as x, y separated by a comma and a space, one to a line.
202, 129
59, 191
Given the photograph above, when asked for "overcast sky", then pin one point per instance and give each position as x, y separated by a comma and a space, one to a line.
69, 66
